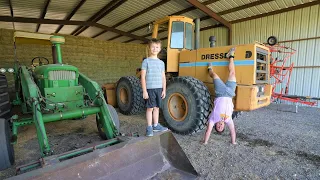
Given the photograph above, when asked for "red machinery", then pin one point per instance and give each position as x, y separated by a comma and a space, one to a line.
281, 74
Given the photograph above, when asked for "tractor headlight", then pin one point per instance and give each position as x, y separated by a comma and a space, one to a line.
2, 70
10, 70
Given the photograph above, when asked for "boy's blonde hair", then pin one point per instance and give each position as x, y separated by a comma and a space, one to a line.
152, 41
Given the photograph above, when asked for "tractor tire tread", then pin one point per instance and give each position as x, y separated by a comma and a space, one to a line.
6, 148
203, 103
137, 104
5, 105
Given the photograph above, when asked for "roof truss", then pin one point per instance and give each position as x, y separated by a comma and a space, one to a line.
99, 15
44, 12
68, 22
71, 14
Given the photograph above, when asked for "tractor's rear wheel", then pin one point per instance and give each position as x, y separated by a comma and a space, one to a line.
115, 119
5, 106
187, 105
129, 95
6, 148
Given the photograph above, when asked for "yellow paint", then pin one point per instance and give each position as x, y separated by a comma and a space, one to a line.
31, 38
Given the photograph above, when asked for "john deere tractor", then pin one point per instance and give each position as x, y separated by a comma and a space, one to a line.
53, 92
190, 90
47, 93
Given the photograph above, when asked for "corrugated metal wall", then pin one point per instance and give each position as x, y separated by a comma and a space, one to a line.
292, 25
220, 33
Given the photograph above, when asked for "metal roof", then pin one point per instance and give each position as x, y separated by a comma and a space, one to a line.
130, 17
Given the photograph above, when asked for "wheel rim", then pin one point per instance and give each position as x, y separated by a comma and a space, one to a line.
178, 107
124, 96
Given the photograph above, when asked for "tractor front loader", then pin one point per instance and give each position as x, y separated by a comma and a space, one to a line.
190, 90
54, 92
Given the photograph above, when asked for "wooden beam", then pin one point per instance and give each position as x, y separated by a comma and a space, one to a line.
256, 3
11, 12
71, 14
134, 16
11, 9
44, 21
106, 7
114, 38
245, 6
209, 2
68, 22
100, 14
177, 13
211, 27
193, 8
44, 12
202, 29
208, 11
184, 11
130, 40
277, 11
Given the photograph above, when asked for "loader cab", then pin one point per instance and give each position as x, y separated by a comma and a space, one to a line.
180, 33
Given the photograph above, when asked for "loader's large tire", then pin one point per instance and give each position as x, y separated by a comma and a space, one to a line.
129, 95
6, 148
5, 106
187, 105
115, 118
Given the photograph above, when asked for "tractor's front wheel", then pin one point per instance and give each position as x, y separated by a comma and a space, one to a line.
115, 118
187, 105
6, 148
129, 95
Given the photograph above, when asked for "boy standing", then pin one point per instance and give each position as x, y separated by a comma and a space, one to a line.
223, 105
153, 81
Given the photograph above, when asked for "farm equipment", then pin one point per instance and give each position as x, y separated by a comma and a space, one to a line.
281, 73
190, 90
53, 92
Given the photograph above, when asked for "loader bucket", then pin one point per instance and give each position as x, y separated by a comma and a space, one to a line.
157, 157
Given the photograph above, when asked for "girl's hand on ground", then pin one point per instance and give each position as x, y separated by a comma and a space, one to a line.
163, 94
202, 142
145, 95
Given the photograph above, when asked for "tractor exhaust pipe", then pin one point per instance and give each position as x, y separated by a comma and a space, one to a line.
197, 35
56, 42
54, 54
212, 40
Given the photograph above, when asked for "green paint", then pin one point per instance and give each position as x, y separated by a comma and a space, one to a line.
90, 149
58, 49
59, 54
56, 92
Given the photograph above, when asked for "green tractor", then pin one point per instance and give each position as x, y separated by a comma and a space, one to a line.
53, 92
50, 92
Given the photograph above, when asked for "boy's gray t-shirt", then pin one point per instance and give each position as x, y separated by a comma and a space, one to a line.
154, 69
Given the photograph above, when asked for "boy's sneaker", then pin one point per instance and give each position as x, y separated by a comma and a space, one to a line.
159, 128
209, 66
231, 53
149, 131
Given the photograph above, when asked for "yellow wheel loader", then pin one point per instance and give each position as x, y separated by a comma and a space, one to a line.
190, 90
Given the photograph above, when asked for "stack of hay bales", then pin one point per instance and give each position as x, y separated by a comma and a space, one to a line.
102, 61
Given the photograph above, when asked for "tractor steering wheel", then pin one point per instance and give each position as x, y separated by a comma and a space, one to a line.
40, 62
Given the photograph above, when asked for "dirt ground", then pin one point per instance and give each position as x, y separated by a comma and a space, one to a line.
273, 143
